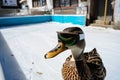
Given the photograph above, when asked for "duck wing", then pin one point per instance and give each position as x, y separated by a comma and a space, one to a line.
95, 64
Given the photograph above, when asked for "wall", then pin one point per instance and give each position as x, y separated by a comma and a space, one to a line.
11, 21
117, 12
29, 2
11, 68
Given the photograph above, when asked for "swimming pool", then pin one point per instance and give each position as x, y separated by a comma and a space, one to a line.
21, 20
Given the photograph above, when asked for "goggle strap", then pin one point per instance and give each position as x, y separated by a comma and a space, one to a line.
81, 36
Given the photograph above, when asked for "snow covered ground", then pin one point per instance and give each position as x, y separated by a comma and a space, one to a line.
29, 43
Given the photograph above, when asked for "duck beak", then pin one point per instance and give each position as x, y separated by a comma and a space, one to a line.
54, 52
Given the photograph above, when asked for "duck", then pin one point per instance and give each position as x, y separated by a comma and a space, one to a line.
79, 65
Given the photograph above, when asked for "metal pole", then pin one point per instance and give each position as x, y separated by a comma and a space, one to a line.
105, 11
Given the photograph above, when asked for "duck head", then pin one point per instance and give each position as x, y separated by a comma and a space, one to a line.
70, 38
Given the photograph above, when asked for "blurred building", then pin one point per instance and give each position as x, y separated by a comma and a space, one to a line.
93, 9
117, 12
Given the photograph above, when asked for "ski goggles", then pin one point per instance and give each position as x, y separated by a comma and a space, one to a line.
68, 38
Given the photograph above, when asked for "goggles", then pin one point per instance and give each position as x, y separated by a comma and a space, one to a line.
68, 38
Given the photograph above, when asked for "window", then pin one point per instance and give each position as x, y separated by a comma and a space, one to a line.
83, 0
0, 3
74, 2
65, 3
38, 3
56, 3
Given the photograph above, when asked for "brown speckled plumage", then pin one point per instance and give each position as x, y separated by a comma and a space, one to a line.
90, 68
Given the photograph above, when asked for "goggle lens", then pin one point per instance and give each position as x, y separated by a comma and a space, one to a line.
68, 39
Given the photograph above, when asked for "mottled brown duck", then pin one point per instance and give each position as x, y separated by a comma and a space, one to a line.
79, 65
